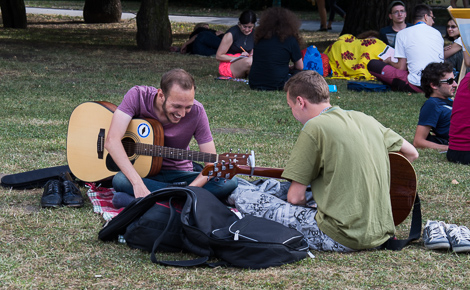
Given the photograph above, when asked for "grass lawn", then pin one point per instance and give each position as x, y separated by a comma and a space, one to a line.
60, 62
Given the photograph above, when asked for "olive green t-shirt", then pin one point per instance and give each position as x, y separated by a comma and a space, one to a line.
343, 155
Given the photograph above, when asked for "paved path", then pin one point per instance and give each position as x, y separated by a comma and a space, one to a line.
306, 25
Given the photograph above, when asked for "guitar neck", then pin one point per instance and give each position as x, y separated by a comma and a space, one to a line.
172, 153
260, 171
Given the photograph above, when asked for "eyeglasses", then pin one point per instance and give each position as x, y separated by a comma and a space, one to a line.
399, 12
449, 81
432, 16
452, 26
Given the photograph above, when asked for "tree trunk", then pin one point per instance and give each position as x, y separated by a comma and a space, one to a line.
153, 25
102, 11
13, 13
371, 15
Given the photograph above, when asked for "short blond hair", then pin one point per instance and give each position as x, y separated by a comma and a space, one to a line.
310, 85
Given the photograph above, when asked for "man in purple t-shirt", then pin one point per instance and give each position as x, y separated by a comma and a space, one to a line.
182, 118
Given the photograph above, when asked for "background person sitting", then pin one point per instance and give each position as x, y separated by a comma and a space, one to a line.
237, 41
349, 55
415, 48
459, 131
277, 40
439, 86
203, 40
453, 53
397, 13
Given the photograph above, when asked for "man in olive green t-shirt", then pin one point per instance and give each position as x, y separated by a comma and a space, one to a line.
343, 155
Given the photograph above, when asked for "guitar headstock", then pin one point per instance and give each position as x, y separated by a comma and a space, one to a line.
221, 170
237, 158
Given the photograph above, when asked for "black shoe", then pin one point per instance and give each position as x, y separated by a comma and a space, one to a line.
52, 195
322, 29
72, 195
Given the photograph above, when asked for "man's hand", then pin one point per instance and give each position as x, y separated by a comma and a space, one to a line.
140, 190
296, 193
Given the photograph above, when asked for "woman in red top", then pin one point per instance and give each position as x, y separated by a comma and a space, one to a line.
459, 132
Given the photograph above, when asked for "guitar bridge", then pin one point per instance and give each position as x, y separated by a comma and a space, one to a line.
100, 144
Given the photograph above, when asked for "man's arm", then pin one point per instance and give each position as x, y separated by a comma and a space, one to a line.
409, 151
113, 144
208, 147
184, 48
420, 141
296, 193
401, 64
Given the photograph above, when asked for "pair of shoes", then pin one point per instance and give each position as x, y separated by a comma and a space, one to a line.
322, 29
57, 193
434, 236
438, 235
459, 238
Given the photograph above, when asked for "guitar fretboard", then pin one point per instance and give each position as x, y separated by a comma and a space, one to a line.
168, 152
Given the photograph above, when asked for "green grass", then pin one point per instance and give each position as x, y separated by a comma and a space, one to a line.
59, 62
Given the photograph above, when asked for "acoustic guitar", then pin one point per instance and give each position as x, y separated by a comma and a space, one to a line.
402, 185
89, 161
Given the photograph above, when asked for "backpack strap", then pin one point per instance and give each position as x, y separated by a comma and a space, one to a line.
181, 263
415, 231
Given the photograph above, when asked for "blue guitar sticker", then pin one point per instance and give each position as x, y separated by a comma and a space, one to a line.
143, 130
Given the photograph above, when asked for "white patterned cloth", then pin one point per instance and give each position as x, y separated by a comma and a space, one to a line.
267, 200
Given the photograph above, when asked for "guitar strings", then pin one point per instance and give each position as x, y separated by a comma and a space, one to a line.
132, 148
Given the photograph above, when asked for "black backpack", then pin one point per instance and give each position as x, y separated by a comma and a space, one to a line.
206, 227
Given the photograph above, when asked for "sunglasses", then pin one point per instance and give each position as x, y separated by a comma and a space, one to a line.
452, 26
449, 81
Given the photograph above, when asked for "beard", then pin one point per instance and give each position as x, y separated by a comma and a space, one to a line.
167, 114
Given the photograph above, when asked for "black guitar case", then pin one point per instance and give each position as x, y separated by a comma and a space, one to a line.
35, 178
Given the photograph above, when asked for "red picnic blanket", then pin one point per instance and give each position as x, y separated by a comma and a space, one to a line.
101, 198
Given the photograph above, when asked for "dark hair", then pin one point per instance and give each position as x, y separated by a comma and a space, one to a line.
432, 74
393, 4
447, 33
420, 10
247, 16
368, 34
178, 77
278, 21
310, 85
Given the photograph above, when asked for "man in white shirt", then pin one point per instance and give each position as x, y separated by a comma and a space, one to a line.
415, 48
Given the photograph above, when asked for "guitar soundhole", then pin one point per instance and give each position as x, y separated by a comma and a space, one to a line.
129, 146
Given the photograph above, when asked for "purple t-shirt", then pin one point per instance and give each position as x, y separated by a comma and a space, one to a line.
139, 103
